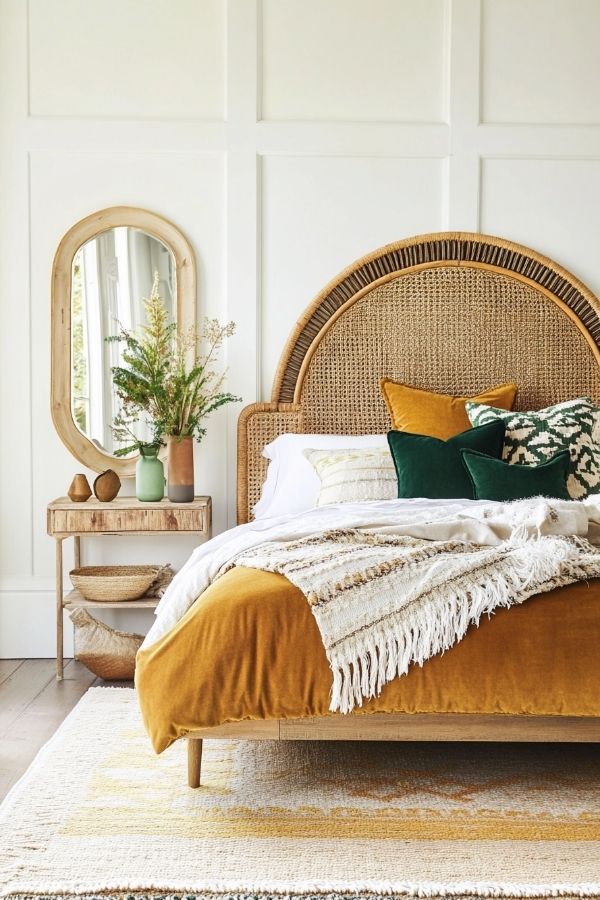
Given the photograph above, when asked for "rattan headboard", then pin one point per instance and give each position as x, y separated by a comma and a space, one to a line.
451, 312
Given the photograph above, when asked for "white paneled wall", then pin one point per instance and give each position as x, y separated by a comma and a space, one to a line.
321, 212
129, 59
540, 62
353, 61
285, 138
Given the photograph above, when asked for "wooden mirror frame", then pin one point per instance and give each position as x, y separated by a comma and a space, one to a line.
82, 448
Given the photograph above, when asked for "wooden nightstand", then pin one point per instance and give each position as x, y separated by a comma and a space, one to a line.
124, 515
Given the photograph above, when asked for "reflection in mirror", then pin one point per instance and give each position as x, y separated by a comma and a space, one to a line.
111, 274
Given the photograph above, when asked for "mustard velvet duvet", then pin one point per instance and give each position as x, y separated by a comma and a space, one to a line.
249, 648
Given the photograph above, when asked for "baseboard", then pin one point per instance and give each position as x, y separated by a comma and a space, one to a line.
27, 621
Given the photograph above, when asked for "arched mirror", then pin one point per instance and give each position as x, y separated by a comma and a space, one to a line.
103, 269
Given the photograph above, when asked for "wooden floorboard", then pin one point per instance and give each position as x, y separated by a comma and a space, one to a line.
7, 667
32, 706
21, 687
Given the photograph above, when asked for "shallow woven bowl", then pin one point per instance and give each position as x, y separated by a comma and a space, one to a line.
113, 583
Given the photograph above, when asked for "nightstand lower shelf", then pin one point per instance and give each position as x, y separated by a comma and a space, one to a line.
73, 600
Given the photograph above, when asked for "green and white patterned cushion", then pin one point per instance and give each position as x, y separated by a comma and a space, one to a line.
533, 437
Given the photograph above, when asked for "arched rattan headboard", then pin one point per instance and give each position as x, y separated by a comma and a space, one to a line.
452, 312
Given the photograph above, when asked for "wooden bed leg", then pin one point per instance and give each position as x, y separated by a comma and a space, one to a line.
194, 761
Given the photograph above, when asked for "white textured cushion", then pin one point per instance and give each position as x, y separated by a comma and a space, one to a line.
349, 476
292, 485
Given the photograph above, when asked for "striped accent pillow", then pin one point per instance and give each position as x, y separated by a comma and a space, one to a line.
533, 437
349, 476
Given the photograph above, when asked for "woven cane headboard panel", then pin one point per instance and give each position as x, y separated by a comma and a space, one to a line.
447, 312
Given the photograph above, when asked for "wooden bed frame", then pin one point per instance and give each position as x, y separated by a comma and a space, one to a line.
450, 312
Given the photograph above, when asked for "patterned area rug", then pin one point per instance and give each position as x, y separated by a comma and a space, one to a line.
98, 814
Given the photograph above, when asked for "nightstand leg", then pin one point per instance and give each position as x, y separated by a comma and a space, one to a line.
59, 610
77, 547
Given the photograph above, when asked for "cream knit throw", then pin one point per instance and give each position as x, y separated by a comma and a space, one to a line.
382, 602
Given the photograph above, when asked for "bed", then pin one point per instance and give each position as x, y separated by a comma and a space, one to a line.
418, 311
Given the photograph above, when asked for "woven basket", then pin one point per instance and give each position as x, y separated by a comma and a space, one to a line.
108, 653
114, 583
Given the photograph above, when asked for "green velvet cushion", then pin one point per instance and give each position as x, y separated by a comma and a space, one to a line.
493, 479
430, 467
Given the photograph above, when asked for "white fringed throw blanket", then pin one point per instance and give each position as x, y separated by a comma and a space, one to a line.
385, 601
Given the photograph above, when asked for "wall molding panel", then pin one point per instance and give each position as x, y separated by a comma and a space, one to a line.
285, 138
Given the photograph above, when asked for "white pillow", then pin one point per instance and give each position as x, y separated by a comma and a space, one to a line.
354, 476
292, 485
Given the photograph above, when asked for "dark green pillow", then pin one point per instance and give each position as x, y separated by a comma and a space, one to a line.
494, 479
430, 467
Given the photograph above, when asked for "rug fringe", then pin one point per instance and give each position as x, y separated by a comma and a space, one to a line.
306, 889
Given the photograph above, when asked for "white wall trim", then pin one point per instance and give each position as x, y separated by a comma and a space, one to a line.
32, 584
242, 217
464, 100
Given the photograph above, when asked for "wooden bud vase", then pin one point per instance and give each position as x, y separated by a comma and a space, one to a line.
107, 486
180, 469
79, 489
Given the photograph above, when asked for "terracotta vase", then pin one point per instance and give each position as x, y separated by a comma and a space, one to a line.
180, 469
79, 489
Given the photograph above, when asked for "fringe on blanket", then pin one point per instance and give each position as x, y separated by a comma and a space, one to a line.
363, 666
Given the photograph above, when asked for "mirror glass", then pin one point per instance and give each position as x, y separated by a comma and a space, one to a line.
111, 274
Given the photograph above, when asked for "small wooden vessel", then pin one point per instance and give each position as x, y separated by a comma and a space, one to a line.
107, 485
79, 489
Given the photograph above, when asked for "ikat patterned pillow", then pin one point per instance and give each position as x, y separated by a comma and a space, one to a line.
534, 437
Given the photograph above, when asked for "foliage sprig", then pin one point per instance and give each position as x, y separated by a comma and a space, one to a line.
168, 377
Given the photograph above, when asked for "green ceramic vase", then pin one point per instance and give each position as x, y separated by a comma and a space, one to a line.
149, 474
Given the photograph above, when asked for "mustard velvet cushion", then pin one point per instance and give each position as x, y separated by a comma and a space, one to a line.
437, 415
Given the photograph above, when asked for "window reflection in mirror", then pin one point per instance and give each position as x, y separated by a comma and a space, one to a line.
111, 275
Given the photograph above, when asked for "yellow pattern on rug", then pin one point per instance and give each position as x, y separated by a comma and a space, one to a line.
355, 790
98, 811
